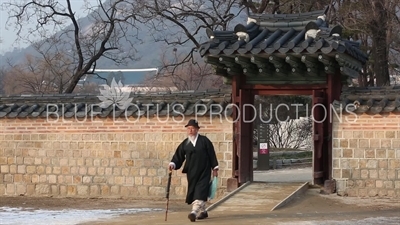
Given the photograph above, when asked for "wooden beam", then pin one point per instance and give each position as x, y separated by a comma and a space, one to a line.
311, 62
281, 67
298, 67
220, 71
282, 92
233, 68
249, 69
213, 61
330, 69
284, 87
295, 62
315, 72
228, 61
349, 61
251, 72
263, 64
234, 71
277, 81
265, 72
349, 72
326, 60
277, 61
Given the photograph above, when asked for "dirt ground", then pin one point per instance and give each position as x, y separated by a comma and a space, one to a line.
312, 207
77, 203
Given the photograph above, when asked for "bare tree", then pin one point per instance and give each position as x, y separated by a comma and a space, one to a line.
284, 6
287, 118
294, 134
379, 27
34, 76
88, 88
192, 18
188, 76
375, 24
2, 76
109, 25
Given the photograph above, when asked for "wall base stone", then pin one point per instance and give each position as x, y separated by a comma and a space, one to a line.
232, 184
329, 187
341, 186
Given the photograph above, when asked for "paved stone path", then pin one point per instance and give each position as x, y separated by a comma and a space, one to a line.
284, 175
257, 197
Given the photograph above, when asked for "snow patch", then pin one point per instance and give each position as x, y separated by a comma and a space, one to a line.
22, 216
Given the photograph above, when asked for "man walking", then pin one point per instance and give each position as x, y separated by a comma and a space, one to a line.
198, 151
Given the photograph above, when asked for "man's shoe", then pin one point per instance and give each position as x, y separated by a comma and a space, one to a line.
202, 215
192, 217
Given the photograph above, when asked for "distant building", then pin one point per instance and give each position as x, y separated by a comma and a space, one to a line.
143, 88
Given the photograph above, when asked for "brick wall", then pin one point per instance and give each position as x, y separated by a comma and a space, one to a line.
366, 155
101, 157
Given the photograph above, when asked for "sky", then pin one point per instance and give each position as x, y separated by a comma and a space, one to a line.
8, 34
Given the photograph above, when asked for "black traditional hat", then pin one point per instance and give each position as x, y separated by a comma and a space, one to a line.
193, 123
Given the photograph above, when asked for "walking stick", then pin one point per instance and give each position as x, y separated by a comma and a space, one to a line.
167, 194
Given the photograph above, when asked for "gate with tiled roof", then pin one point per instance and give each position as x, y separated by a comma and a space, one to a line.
283, 54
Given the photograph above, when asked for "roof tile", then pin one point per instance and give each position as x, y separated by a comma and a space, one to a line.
371, 100
79, 106
283, 34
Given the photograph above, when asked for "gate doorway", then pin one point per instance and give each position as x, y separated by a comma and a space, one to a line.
283, 54
322, 95
282, 146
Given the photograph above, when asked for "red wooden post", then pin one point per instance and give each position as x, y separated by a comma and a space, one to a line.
318, 115
233, 182
246, 136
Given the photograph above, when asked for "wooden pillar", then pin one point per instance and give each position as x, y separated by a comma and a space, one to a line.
233, 182
318, 114
245, 124
333, 91
243, 114
323, 118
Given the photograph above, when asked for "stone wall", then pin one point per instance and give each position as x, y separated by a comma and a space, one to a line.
366, 155
102, 157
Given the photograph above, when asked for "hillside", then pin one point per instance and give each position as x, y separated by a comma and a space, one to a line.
148, 51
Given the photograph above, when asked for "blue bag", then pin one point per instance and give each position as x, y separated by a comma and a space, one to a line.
213, 188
